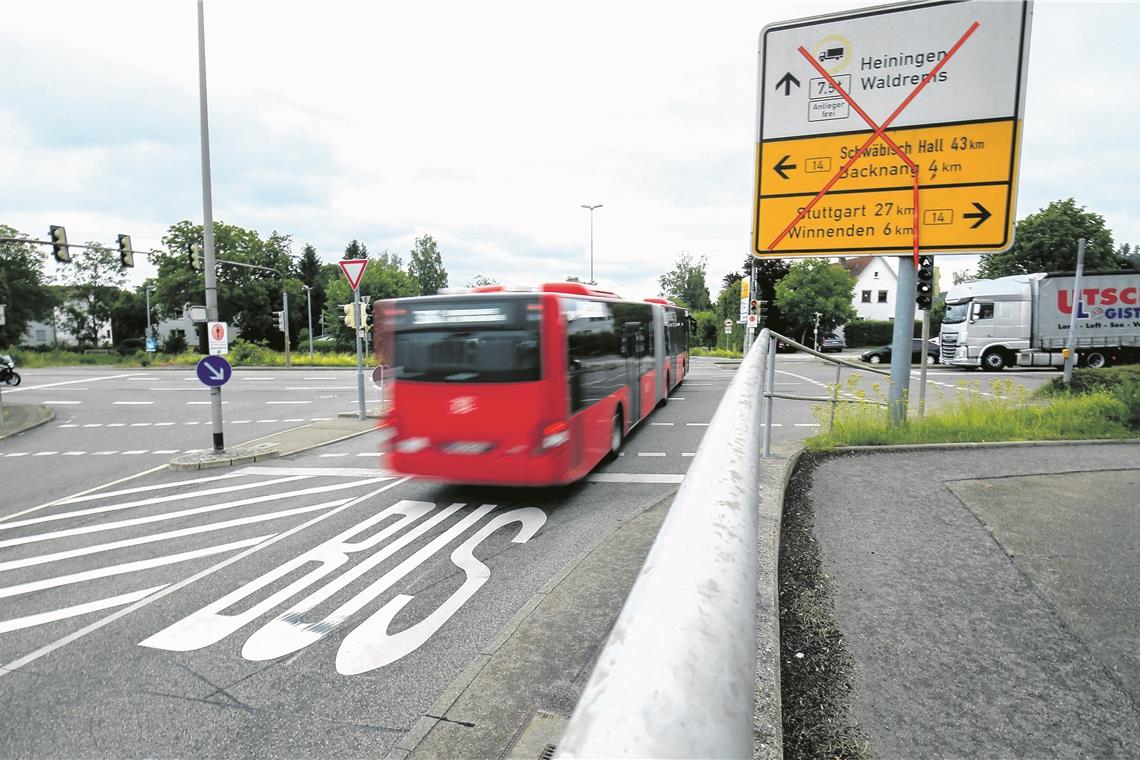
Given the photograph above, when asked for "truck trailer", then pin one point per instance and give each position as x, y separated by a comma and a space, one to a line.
1024, 320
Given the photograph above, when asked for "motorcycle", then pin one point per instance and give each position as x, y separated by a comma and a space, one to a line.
8, 372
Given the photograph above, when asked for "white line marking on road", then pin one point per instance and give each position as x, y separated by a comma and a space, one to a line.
319, 419
661, 424
368, 454
44, 453
89, 425
63, 613
165, 451
160, 592
104, 453
143, 489
73, 453
141, 424
19, 454
696, 424
99, 528
131, 403
688, 454
182, 495
68, 425
294, 419
632, 477
807, 424
134, 452
651, 453
267, 420
676, 398
163, 424
65, 382
192, 422
332, 472
116, 424
44, 559
127, 567
57, 403
239, 422
330, 456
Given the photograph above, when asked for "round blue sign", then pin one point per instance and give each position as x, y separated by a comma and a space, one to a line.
214, 371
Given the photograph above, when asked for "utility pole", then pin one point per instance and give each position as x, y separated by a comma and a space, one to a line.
208, 222
591, 210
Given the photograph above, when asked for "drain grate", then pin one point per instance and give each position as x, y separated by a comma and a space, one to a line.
547, 752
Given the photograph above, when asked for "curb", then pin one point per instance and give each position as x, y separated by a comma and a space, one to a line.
24, 417
283, 444
971, 445
204, 460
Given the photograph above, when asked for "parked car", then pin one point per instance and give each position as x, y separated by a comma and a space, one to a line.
832, 342
882, 355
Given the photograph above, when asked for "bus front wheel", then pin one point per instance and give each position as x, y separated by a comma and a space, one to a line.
616, 433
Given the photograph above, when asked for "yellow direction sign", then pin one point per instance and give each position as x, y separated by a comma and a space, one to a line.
861, 143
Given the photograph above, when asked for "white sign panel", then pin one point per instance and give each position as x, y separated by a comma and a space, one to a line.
218, 336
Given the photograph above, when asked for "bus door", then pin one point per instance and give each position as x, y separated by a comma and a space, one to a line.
631, 350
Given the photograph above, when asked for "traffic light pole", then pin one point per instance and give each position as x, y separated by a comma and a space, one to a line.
208, 223
359, 351
902, 340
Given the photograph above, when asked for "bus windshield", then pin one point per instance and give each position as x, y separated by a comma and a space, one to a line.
467, 340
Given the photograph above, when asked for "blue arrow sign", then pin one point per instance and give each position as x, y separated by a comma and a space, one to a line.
214, 371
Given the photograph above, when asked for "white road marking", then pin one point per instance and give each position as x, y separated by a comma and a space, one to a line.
116, 424
688, 454
633, 477
63, 613
239, 422
57, 403
73, 453
104, 453
100, 527
696, 424
294, 419
44, 453
319, 419
181, 496
143, 489
127, 567
43, 559
141, 424
661, 424
330, 456
335, 472
163, 424
160, 592
807, 424
18, 454
165, 451
651, 453
68, 425
90, 425
65, 382
134, 452
268, 420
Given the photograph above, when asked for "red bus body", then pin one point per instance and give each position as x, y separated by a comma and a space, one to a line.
522, 388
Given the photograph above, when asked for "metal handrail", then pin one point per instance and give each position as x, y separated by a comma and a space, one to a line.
677, 674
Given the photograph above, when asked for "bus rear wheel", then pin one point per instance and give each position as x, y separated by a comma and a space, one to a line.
617, 431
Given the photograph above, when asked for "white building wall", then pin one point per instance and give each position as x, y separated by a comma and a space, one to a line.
876, 283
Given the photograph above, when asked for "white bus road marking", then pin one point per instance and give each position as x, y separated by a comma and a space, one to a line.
127, 567
100, 527
633, 477
181, 496
160, 592
63, 613
43, 559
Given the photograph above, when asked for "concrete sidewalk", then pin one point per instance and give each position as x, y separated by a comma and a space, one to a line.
987, 597
20, 417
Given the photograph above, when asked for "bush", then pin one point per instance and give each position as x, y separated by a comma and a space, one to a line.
130, 346
1121, 383
174, 343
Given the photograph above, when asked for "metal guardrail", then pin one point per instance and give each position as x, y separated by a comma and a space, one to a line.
677, 676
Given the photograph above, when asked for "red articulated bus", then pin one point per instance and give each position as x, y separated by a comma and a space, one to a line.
523, 387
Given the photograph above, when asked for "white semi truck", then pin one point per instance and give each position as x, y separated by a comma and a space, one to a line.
1024, 320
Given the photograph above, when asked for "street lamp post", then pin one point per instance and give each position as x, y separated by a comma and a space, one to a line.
309, 304
150, 339
591, 210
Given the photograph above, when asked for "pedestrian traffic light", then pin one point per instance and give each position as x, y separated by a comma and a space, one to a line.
752, 306
349, 315
280, 320
194, 253
59, 244
126, 253
925, 286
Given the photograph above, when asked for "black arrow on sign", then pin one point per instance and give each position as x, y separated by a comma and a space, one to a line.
781, 167
786, 82
982, 215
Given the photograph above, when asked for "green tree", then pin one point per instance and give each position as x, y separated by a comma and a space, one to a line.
480, 280
23, 287
814, 285
1130, 254
728, 308
128, 315
93, 282
1047, 242
685, 283
246, 297
426, 266
708, 327
355, 250
312, 273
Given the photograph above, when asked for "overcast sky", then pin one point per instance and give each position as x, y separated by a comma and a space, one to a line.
484, 125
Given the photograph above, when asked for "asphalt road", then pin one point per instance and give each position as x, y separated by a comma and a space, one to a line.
314, 606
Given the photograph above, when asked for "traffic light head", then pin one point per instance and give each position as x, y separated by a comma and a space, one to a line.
126, 253
752, 306
59, 244
194, 254
280, 320
349, 315
925, 285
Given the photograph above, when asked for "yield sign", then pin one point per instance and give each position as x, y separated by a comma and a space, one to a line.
353, 269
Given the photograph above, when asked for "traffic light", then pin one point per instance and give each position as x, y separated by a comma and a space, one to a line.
349, 315
280, 320
366, 317
194, 253
925, 286
59, 244
126, 253
752, 306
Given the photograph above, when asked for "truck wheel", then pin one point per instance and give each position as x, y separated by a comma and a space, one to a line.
993, 361
1096, 360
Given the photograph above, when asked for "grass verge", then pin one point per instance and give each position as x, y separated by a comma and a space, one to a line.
258, 357
1004, 413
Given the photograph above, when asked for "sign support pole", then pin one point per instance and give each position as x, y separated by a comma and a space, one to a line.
1071, 357
901, 340
285, 320
208, 223
359, 353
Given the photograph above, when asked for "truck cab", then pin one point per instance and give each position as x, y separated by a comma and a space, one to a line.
987, 322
